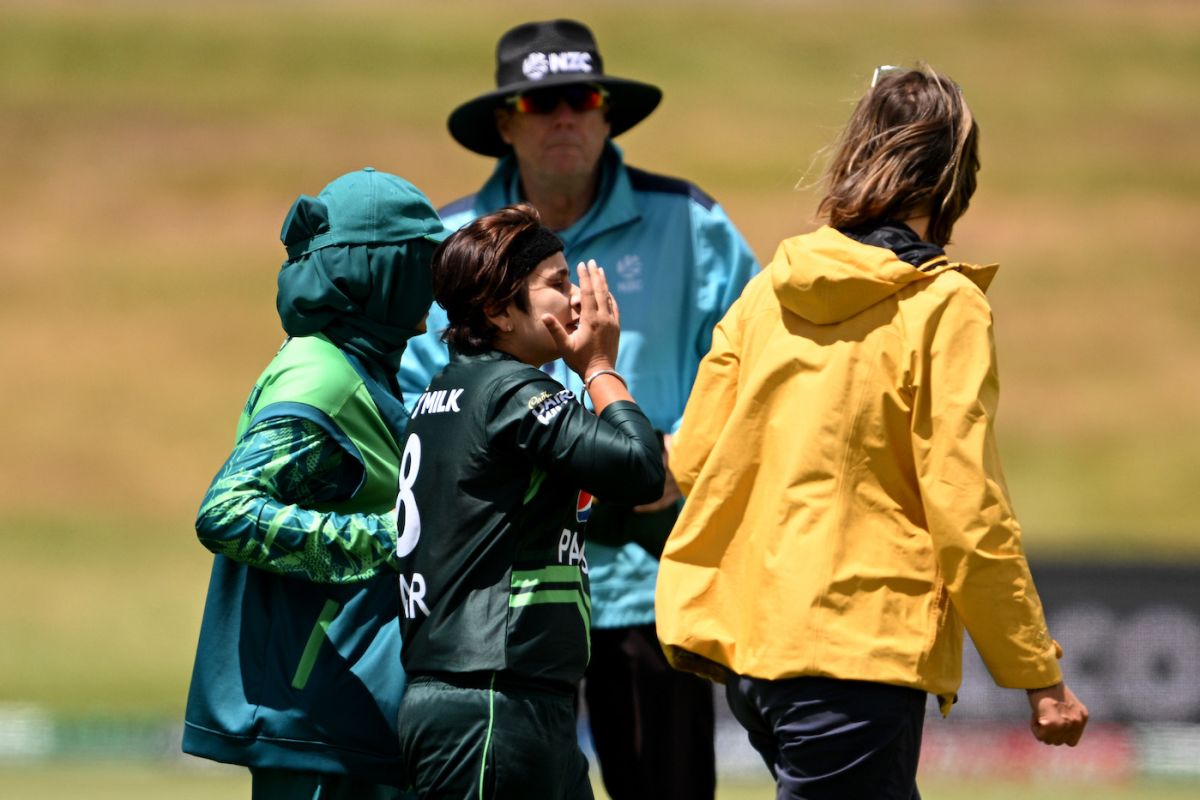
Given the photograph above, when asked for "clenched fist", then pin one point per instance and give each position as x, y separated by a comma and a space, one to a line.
1058, 716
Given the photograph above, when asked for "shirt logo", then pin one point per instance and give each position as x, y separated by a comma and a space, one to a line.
538, 65
629, 273
583, 506
548, 406
439, 401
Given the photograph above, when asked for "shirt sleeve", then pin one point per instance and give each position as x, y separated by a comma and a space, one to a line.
710, 404
724, 264
970, 517
615, 456
258, 510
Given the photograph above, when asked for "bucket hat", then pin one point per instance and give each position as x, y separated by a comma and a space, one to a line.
552, 53
361, 207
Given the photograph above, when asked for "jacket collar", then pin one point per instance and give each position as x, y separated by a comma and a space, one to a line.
616, 203
901, 240
912, 250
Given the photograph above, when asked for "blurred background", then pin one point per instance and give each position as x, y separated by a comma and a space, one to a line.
149, 152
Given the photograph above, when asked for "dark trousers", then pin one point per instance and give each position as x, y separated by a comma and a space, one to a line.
652, 725
285, 784
827, 739
463, 742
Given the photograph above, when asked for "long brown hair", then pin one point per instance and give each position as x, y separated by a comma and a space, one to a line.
473, 274
911, 148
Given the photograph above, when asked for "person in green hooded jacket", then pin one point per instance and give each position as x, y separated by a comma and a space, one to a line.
297, 673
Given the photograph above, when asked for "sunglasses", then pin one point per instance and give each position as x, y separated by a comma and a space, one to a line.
883, 71
577, 96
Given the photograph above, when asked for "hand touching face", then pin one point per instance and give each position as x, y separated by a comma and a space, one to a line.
551, 294
593, 345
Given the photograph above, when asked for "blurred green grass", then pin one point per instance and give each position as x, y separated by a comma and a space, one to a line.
185, 781
148, 153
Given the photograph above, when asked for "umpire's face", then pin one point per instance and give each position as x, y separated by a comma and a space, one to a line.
560, 146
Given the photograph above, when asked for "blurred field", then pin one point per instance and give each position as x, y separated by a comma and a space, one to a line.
148, 153
137, 781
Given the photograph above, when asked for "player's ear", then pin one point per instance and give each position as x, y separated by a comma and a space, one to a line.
501, 318
503, 124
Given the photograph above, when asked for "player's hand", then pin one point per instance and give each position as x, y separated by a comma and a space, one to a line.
1058, 715
593, 345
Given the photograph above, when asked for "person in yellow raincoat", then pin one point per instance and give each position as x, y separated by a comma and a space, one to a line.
846, 512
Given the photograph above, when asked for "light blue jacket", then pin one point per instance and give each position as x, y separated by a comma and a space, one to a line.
675, 264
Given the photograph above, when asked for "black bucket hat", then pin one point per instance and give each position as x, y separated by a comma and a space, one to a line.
539, 54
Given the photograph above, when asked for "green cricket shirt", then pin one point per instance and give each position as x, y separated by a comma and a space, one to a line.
498, 468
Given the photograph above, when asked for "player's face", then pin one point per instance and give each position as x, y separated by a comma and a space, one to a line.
550, 292
563, 144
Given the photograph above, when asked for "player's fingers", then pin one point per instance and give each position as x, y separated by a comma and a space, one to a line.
587, 290
1062, 729
1049, 735
604, 297
599, 279
557, 332
1046, 729
1078, 724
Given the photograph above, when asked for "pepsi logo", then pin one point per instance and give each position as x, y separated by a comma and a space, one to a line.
583, 507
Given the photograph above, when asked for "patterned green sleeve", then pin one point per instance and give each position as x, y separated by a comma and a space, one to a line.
258, 509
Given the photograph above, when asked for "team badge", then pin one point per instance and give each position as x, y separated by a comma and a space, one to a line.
583, 507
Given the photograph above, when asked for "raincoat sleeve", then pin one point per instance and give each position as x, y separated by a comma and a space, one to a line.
976, 537
710, 404
723, 263
258, 510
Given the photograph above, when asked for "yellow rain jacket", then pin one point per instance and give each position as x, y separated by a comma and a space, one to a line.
846, 513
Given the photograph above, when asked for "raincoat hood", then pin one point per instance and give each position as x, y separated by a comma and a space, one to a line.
359, 267
816, 277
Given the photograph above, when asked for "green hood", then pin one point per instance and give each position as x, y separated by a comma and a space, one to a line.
359, 270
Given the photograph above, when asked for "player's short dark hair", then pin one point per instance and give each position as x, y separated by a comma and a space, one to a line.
474, 274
